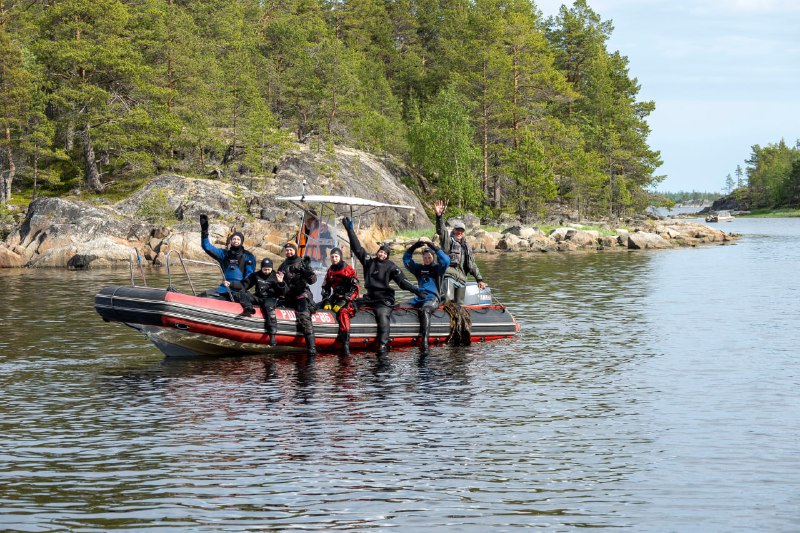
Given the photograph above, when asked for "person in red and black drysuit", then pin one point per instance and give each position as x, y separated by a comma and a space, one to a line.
339, 290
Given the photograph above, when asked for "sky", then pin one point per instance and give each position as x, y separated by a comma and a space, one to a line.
724, 75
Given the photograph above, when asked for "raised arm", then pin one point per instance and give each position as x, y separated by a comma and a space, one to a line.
355, 245
205, 243
408, 257
444, 235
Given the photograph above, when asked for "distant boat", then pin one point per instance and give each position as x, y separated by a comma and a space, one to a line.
721, 216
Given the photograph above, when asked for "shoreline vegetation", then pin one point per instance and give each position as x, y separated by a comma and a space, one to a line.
163, 216
498, 110
772, 213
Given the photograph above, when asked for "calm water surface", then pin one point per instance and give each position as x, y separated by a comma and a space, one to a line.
653, 391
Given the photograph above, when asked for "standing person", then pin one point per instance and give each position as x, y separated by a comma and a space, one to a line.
298, 277
314, 237
339, 290
378, 272
462, 261
269, 287
429, 278
236, 262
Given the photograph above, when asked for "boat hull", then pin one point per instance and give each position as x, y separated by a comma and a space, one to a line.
183, 325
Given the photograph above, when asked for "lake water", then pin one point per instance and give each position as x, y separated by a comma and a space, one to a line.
650, 391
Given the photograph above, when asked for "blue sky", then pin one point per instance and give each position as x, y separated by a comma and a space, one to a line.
724, 74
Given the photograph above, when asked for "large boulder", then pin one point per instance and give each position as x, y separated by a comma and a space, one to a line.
583, 238
512, 243
163, 215
10, 259
640, 240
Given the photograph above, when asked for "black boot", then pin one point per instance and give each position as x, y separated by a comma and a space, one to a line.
270, 324
383, 349
311, 344
424, 330
345, 343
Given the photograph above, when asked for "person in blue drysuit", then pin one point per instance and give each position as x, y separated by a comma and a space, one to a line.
236, 262
429, 276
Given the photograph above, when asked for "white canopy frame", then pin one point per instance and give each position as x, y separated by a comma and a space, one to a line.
328, 208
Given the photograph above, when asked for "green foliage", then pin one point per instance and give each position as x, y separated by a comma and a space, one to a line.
772, 213
773, 176
441, 148
682, 197
156, 209
413, 234
499, 110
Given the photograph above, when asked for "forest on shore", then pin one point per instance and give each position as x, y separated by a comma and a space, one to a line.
770, 179
490, 105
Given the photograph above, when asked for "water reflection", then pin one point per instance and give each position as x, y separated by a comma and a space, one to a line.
607, 411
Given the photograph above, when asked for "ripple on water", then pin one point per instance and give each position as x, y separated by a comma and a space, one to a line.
623, 403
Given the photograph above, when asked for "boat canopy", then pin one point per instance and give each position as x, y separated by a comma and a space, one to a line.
345, 201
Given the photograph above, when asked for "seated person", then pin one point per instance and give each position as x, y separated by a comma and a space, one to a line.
429, 278
339, 290
236, 262
269, 287
462, 261
378, 272
298, 277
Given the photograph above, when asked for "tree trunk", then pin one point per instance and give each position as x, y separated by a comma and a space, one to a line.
90, 163
485, 137
5, 182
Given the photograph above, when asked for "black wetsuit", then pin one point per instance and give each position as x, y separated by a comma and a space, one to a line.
298, 276
267, 292
380, 294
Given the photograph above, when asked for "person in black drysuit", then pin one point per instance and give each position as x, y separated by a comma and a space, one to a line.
378, 272
298, 277
236, 262
269, 287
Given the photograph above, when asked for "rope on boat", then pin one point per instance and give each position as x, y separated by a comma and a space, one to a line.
460, 324
498, 302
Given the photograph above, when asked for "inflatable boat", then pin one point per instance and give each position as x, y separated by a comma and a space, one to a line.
182, 325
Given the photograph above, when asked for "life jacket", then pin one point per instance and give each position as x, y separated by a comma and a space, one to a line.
308, 244
458, 253
234, 260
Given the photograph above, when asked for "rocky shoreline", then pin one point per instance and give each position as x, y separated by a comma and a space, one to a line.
76, 234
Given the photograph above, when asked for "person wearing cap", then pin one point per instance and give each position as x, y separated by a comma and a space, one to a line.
462, 260
298, 277
269, 287
378, 272
339, 290
429, 278
236, 262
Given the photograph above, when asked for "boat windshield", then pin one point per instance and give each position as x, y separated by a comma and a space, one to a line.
319, 230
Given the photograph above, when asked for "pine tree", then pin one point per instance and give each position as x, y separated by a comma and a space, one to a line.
610, 118
442, 149
98, 83
15, 93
